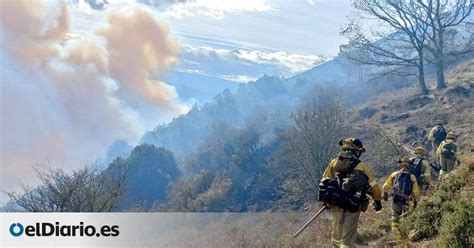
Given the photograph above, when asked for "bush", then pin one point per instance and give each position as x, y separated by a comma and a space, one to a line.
456, 225
83, 190
447, 213
448, 187
425, 220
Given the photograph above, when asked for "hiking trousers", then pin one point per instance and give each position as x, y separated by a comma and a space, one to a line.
344, 229
397, 211
435, 145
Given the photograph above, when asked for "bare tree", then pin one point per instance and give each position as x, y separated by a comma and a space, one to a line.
443, 16
84, 190
318, 127
397, 43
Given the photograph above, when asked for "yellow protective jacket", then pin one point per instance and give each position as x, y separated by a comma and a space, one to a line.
432, 132
425, 169
374, 188
440, 148
388, 185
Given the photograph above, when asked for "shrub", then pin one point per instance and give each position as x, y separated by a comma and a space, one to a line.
448, 187
446, 212
456, 225
425, 220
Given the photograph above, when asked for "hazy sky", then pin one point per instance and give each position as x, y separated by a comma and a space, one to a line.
75, 77
308, 27
303, 27
287, 37
238, 40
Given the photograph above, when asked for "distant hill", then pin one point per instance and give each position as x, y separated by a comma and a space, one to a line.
198, 87
338, 70
268, 95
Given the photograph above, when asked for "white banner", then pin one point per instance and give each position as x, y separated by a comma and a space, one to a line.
149, 229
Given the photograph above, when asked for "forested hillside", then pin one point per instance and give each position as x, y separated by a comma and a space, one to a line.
241, 153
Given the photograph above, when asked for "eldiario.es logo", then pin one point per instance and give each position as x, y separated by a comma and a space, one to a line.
45, 229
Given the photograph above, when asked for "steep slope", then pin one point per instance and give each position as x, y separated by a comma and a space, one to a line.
410, 116
407, 117
444, 216
338, 70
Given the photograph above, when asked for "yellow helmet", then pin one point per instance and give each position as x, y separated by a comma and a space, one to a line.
353, 143
405, 162
451, 136
419, 150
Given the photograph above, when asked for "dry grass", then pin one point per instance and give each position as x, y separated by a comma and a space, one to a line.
397, 111
461, 74
253, 230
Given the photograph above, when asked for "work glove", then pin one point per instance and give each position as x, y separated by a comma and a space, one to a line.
323, 185
385, 196
377, 206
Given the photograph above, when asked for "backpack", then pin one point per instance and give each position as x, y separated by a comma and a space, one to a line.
402, 187
439, 134
448, 151
349, 200
417, 170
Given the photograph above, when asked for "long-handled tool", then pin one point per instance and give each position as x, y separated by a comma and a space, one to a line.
309, 221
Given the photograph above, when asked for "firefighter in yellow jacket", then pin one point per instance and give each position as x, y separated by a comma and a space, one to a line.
355, 179
448, 154
420, 168
437, 135
403, 187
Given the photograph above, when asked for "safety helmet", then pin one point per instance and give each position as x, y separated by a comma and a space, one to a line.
405, 162
353, 143
419, 150
439, 122
451, 136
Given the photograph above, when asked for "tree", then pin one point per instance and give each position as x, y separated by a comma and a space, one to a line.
148, 171
242, 155
202, 192
84, 190
399, 41
318, 126
443, 16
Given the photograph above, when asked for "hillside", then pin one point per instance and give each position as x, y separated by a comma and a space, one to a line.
407, 117
247, 150
443, 217
256, 155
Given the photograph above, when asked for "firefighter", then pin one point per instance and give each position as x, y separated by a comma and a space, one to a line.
421, 168
344, 184
403, 187
448, 154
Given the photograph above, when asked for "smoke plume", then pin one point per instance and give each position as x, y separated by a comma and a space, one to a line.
66, 97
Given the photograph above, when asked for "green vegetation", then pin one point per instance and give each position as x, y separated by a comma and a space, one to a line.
456, 224
146, 172
448, 212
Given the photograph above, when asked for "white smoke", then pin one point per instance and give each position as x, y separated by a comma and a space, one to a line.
65, 98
